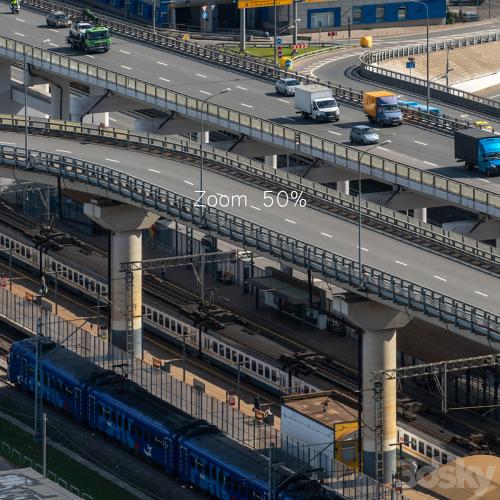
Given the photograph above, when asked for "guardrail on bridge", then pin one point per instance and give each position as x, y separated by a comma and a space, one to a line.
414, 228
376, 284
259, 129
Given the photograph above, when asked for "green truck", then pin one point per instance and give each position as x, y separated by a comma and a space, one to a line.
86, 37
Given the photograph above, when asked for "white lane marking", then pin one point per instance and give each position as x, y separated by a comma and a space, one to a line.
363, 248
464, 116
256, 208
284, 100
8, 143
201, 76
421, 143
291, 221
19, 34
112, 119
246, 105
204, 92
189, 182
161, 63
400, 263
327, 235
111, 160
125, 67
288, 118
163, 79
383, 149
63, 151
153, 170
53, 30
430, 163
20, 20
439, 278
333, 132
124, 51
53, 44
88, 55
483, 180
241, 88
480, 293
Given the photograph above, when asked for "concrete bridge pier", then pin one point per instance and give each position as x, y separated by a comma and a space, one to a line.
343, 186
271, 161
420, 214
60, 99
126, 224
380, 324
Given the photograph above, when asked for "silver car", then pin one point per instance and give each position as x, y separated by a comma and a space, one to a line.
362, 134
58, 19
286, 86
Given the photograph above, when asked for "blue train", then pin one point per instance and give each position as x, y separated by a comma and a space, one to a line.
184, 447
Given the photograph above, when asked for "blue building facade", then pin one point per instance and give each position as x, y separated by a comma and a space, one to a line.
357, 14
215, 15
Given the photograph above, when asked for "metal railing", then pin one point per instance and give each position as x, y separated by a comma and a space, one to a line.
429, 183
370, 65
414, 228
21, 459
376, 284
245, 63
244, 428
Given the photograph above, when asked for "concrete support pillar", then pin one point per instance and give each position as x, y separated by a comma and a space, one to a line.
60, 100
379, 353
380, 324
205, 137
271, 161
420, 214
97, 119
5, 81
343, 186
126, 224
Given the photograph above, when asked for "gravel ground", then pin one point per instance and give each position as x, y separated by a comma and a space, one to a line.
98, 450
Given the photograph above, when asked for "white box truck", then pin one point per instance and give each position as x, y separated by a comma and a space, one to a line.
317, 102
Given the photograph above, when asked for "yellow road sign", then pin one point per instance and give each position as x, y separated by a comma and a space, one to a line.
253, 4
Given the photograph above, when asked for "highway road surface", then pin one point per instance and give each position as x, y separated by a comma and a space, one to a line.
417, 265
425, 149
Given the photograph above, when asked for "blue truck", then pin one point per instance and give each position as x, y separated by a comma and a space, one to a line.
478, 148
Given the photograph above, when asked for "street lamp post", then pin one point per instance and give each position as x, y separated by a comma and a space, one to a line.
276, 34
448, 65
427, 38
360, 216
205, 101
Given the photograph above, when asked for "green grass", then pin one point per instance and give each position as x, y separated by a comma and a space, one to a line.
268, 52
78, 475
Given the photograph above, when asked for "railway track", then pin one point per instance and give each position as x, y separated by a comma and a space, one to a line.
328, 371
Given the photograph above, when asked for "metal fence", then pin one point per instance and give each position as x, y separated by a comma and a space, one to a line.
370, 65
245, 429
377, 284
21, 459
417, 179
371, 211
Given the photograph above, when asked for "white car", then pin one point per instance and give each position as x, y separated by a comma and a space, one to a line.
286, 86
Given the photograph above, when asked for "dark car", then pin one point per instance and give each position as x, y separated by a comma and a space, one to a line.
58, 19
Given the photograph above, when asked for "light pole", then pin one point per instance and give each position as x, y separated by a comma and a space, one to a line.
448, 65
360, 217
295, 24
154, 17
205, 101
25, 76
427, 38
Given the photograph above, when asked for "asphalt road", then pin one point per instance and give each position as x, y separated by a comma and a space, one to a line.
393, 256
411, 145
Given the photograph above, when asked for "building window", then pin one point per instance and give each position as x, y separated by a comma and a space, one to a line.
402, 12
379, 14
357, 15
322, 19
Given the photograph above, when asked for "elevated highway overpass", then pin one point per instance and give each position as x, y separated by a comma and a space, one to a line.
257, 114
